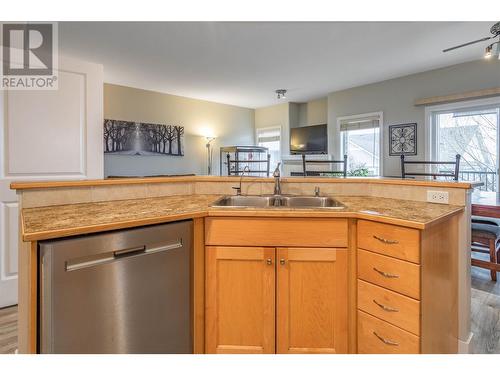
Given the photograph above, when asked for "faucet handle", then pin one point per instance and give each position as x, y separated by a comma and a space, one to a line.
238, 189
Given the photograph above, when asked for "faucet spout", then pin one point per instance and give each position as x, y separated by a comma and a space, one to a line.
277, 180
238, 188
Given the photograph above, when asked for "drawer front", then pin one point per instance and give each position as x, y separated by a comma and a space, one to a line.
261, 231
394, 308
392, 240
378, 337
394, 274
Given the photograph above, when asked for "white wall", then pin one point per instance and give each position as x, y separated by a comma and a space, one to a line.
230, 124
395, 98
273, 116
314, 112
317, 112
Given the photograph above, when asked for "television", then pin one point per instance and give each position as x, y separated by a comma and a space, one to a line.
309, 140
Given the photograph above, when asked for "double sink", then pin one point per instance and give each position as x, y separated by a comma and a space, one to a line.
287, 201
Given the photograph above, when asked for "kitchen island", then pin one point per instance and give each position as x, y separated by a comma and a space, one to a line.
384, 221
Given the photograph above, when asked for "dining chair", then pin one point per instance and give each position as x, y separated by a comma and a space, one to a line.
454, 174
306, 172
485, 238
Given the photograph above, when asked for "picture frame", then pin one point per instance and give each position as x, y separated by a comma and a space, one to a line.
142, 139
403, 139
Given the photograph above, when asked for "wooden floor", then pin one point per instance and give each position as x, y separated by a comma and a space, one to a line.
485, 316
485, 312
8, 330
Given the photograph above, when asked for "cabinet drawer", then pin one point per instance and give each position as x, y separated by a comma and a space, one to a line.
402, 311
262, 231
394, 274
398, 242
378, 337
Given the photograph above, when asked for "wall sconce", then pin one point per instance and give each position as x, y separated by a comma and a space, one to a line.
209, 154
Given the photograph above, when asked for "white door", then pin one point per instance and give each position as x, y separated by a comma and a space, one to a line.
46, 135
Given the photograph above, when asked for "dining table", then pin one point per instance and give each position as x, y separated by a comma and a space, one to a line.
485, 203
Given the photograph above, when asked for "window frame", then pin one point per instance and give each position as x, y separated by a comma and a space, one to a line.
380, 115
431, 144
270, 128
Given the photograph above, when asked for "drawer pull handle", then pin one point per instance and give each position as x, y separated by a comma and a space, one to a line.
269, 261
385, 274
385, 341
386, 241
384, 307
282, 262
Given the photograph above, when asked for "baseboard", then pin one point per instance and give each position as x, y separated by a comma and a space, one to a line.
464, 346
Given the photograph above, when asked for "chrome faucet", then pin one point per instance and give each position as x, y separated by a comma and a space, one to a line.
277, 180
238, 188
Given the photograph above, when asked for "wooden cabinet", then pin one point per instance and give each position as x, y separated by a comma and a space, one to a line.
402, 311
392, 240
276, 300
406, 294
394, 274
311, 300
388, 275
289, 285
240, 300
375, 336
274, 232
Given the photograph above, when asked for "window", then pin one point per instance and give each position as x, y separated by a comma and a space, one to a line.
271, 138
360, 141
471, 132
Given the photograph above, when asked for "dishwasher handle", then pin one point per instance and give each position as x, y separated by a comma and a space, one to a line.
129, 252
79, 263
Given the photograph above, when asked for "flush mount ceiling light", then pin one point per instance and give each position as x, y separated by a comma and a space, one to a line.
281, 93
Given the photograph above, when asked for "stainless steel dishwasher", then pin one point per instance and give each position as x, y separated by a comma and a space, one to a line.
126, 291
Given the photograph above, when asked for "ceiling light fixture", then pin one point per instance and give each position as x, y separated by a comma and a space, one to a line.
493, 50
487, 52
281, 93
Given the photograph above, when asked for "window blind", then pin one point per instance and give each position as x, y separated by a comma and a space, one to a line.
268, 135
363, 123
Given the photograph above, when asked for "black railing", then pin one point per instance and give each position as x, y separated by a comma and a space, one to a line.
489, 179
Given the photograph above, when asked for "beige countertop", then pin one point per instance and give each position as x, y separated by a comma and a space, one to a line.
65, 220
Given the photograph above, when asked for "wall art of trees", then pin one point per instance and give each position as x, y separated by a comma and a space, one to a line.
137, 138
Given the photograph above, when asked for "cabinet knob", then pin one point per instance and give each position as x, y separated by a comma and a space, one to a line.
269, 261
282, 261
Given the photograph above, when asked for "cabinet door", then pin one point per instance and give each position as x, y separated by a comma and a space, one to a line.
312, 300
240, 299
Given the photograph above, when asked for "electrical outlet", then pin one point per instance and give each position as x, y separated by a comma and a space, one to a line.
437, 196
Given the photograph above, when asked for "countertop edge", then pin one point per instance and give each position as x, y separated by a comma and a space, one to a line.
27, 185
60, 233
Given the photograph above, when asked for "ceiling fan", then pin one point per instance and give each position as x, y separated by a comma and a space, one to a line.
491, 50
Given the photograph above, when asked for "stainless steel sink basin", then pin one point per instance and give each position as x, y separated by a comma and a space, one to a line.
245, 201
314, 202
277, 201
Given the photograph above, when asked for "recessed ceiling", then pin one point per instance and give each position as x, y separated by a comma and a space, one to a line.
243, 63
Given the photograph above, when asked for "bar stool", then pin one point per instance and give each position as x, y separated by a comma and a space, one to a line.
485, 238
